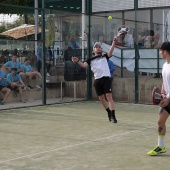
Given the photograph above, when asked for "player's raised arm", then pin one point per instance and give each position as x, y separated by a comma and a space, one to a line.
112, 46
82, 64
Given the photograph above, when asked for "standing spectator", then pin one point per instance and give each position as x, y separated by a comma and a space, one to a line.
149, 40
141, 37
3, 88
111, 68
15, 83
39, 58
73, 44
48, 61
129, 41
51, 53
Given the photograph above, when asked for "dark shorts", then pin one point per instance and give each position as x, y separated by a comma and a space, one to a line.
167, 108
1, 87
10, 87
103, 86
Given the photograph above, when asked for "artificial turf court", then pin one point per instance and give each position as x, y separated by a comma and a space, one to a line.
78, 136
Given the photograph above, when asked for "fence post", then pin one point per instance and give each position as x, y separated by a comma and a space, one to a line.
121, 63
157, 61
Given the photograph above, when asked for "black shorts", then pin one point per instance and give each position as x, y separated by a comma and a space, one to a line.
10, 87
167, 108
1, 87
103, 86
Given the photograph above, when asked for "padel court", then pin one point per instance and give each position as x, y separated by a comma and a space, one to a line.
78, 136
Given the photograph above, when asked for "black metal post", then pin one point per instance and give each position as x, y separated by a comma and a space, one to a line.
89, 52
43, 54
121, 63
136, 53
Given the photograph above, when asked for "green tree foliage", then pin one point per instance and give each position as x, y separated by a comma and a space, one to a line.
18, 2
16, 10
50, 31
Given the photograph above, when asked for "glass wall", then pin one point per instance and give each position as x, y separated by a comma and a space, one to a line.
64, 37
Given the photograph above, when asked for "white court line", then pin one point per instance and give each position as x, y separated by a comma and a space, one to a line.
71, 146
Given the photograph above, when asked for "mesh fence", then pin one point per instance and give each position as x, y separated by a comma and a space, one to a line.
21, 33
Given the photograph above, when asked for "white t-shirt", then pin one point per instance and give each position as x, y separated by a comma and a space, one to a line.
99, 66
166, 78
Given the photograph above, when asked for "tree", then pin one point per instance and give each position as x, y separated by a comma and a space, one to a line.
17, 10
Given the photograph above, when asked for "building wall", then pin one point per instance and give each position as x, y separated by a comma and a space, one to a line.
123, 89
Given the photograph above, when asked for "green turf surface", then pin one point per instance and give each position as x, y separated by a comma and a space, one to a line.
78, 136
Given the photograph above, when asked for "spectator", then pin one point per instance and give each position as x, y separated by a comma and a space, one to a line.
129, 41
48, 61
73, 44
27, 69
15, 83
14, 64
3, 88
111, 68
39, 58
141, 37
149, 40
51, 54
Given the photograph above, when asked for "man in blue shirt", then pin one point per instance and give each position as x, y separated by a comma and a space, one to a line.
27, 69
3, 88
14, 64
15, 83
73, 43
111, 68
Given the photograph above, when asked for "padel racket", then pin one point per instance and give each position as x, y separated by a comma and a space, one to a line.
156, 96
123, 29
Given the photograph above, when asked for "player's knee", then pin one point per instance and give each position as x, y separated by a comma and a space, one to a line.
8, 90
160, 123
109, 96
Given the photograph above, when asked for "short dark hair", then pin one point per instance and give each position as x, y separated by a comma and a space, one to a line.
14, 69
27, 58
13, 54
165, 46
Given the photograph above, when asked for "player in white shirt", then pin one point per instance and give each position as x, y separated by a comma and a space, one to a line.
164, 110
102, 82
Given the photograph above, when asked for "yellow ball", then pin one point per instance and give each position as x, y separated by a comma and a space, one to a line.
109, 17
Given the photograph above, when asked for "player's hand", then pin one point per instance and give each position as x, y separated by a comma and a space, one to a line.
164, 102
74, 59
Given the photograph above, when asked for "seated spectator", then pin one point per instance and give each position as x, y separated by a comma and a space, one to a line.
15, 83
73, 44
6, 91
14, 63
129, 41
48, 61
27, 69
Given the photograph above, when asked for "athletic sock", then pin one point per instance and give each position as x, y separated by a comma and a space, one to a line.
160, 140
113, 116
109, 114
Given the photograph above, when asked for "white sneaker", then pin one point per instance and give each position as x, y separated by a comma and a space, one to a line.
22, 101
48, 75
27, 88
38, 87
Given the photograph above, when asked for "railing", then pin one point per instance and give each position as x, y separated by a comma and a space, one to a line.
149, 59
